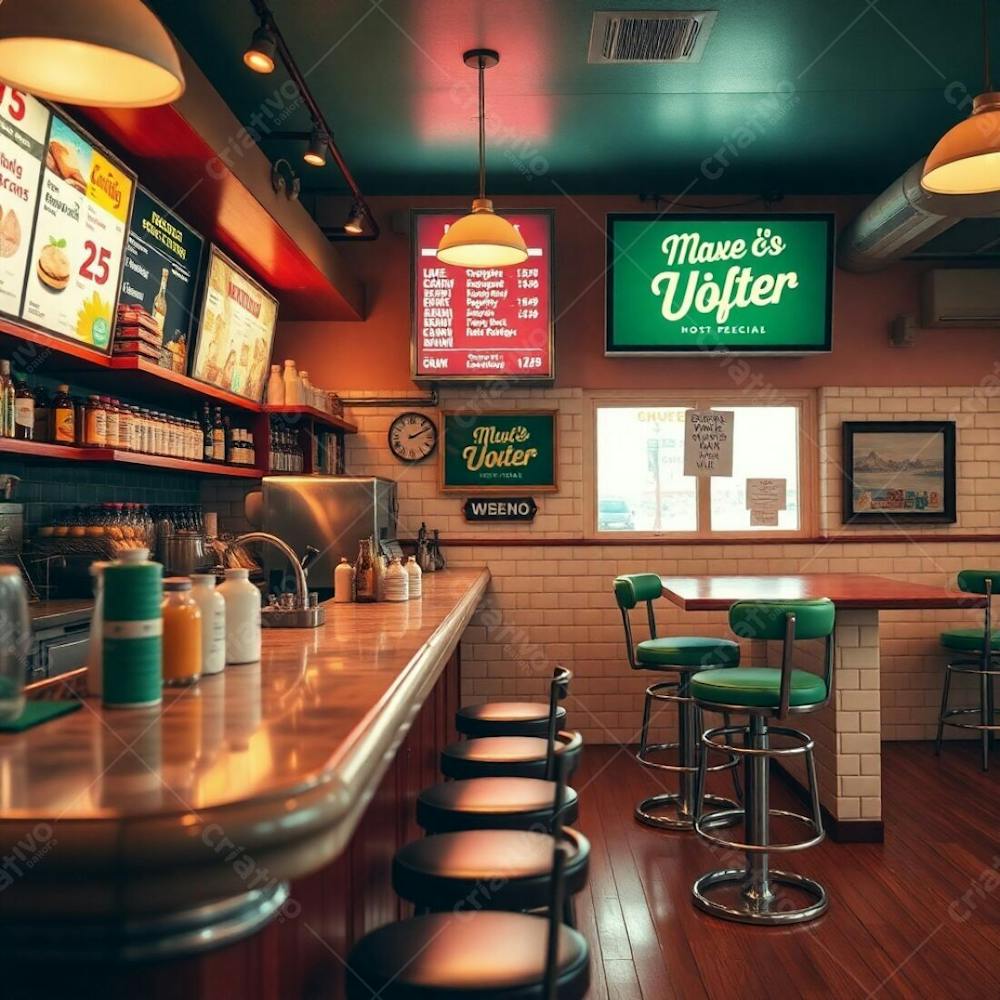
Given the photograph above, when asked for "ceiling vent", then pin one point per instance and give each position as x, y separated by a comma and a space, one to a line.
647, 36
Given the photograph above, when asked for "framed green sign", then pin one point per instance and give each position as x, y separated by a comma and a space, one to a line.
679, 284
507, 451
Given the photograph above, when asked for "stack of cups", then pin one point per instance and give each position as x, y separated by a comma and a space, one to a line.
132, 631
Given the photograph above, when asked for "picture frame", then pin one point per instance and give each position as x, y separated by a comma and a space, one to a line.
899, 472
505, 433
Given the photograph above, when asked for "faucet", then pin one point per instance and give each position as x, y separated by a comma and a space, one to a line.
301, 615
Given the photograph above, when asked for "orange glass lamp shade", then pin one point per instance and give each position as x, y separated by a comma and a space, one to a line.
966, 159
113, 54
482, 239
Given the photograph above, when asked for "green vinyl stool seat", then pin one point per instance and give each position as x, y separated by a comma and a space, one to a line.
981, 647
755, 893
757, 687
694, 651
969, 640
680, 655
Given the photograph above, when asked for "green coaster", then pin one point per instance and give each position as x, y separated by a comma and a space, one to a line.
37, 712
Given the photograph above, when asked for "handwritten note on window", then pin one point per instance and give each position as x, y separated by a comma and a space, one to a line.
708, 442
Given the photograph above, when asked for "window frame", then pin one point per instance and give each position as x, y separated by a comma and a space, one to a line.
803, 399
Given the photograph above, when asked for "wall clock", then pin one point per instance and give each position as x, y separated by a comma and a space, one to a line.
413, 437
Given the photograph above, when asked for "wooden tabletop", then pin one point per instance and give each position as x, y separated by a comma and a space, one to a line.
846, 590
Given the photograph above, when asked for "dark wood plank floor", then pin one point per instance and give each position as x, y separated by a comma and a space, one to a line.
917, 916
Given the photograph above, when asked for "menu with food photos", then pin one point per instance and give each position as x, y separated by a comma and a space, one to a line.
236, 333
24, 125
81, 222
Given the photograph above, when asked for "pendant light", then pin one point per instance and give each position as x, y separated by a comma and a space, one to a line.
112, 54
482, 238
966, 159
315, 154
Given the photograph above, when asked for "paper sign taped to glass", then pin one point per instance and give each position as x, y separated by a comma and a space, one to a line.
767, 494
708, 442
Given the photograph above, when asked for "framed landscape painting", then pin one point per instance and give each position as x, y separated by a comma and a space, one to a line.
899, 472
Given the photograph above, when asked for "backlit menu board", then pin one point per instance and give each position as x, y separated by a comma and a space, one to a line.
162, 264
81, 221
236, 332
483, 323
24, 126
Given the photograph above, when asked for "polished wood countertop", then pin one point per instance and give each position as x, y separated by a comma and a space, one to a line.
846, 590
279, 758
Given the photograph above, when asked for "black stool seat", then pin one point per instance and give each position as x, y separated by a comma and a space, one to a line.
492, 804
488, 955
508, 756
506, 718
487, 869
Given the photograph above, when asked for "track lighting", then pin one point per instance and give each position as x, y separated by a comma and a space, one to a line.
259, 55
315, 154
355, 224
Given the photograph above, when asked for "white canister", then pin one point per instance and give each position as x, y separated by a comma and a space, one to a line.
95, 654
213, 622
416, 576
276, 387
343, 582
242, 617
397, 582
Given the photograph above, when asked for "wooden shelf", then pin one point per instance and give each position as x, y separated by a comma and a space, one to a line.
317, 416
148, 375
71, 453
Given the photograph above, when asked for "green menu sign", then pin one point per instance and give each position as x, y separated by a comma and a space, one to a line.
742, 283
513, 451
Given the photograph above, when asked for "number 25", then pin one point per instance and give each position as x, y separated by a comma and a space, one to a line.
101, 256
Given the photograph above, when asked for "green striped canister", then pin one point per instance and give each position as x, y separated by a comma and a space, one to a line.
133, 631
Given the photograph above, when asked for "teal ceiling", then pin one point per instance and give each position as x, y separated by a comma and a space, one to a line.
795, 96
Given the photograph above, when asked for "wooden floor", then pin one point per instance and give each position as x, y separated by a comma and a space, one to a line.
917, 916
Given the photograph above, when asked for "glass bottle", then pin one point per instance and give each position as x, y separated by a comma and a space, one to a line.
43, 415
365, 580
110, 421
63, 417
7, 395
182, 658
218, 437
160, 302
124, 427
95, 423
24, 411
293, 386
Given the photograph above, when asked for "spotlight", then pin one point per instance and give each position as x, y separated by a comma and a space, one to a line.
315, 154
355, 224
259, 55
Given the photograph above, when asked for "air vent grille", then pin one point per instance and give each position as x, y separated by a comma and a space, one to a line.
642, 36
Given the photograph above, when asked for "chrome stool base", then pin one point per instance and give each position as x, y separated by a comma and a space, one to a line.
755, 908
683, 802
987, 727
645, 811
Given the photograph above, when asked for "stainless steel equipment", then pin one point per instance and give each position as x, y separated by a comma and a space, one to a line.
331, 512
184, 553
300, 612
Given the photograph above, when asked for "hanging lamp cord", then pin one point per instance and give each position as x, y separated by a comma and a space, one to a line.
482, 128
987, 75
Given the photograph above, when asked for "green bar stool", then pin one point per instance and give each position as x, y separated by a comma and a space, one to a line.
983, 647
682, 656
763, 693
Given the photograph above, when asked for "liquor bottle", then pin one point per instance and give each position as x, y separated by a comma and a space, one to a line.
218, 437
228, 434
365, 581
160, 302
208, 453
43, 412
24, 411
7, 396
63, 419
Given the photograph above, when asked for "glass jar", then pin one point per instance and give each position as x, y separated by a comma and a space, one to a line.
181, 633
95, 423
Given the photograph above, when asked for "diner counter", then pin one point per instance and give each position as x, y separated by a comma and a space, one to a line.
254, 776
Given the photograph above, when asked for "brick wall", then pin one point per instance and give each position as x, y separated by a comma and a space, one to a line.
550, 604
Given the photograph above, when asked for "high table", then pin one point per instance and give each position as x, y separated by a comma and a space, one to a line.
848, 732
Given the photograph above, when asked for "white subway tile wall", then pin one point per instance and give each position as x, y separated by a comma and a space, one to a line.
553, 604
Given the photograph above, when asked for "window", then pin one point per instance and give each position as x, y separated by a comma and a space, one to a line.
639, 466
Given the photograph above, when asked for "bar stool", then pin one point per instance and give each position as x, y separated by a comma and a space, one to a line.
506, 718
518, 756
484, 954
985, 664
494, 869
764, 693
500, 800
680, 655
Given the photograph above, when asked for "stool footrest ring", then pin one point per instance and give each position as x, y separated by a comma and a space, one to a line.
642, 757
709, 820
644, 811
757, 911
945, 720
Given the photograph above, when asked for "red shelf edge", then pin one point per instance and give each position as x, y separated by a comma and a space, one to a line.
320, 416
43, 449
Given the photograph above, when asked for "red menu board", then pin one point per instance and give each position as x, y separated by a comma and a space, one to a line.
482, 323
